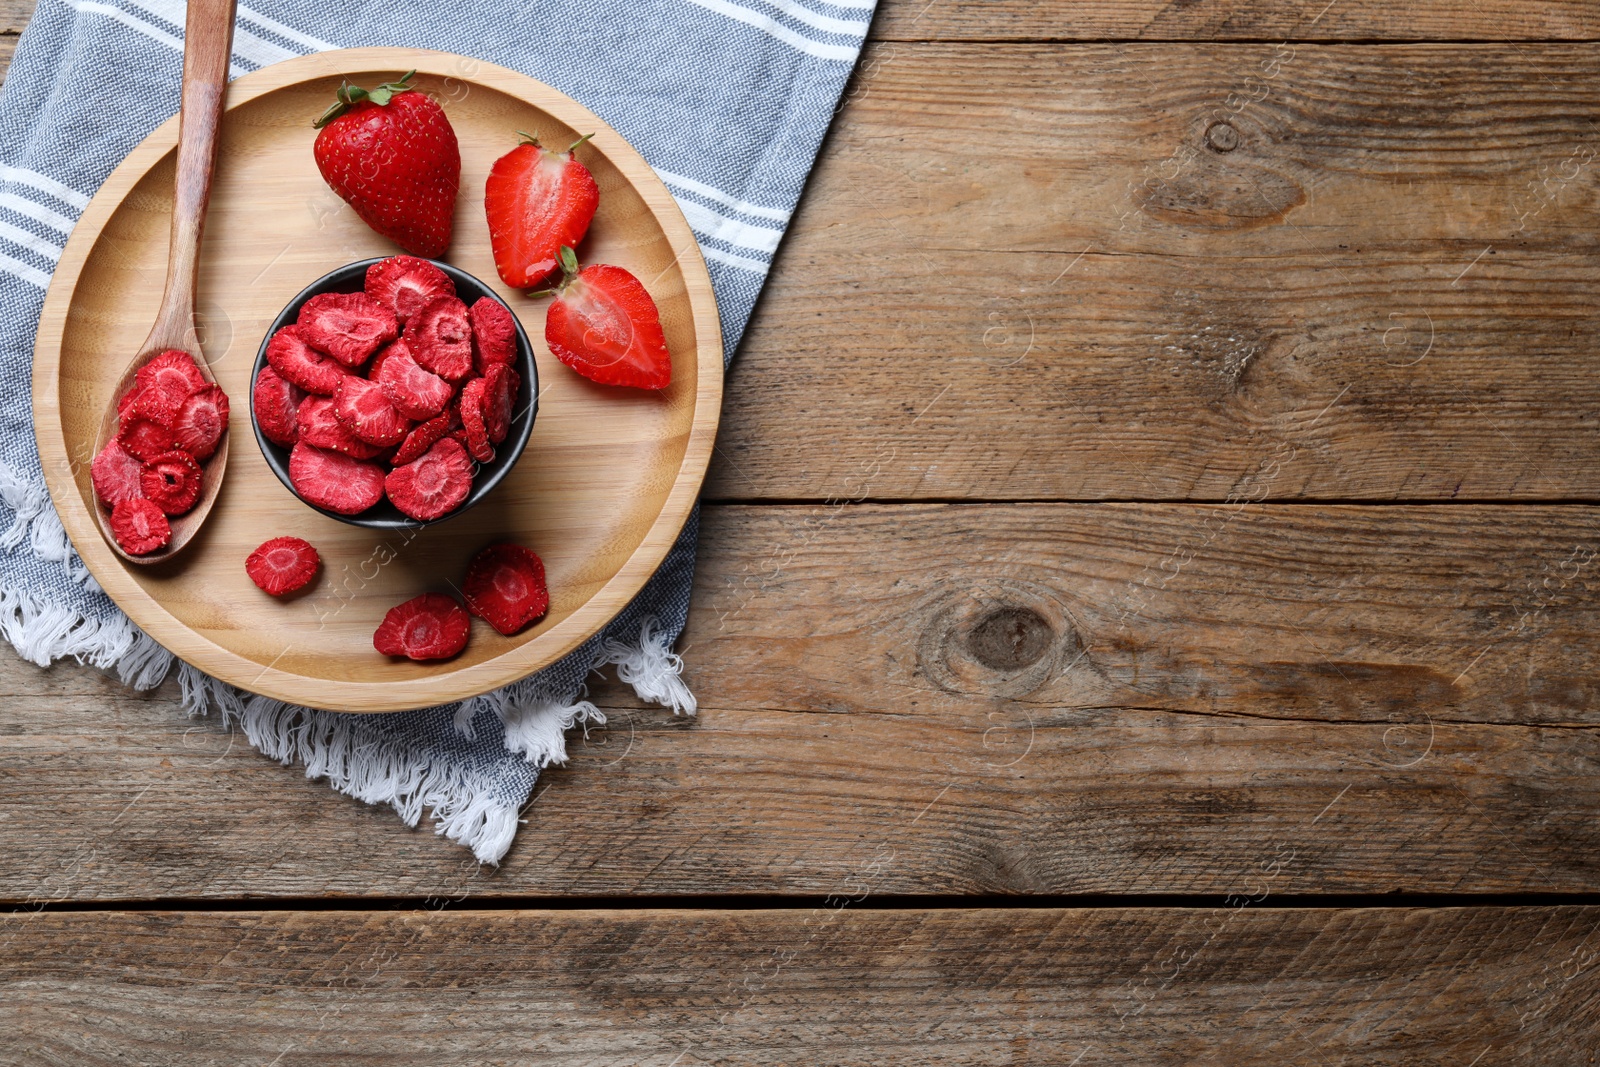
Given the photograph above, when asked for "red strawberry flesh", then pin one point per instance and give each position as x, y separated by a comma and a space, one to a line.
334, 481
494, 334
505, 586
472, 421
434, 484
404, 283
440, 336
431, 626
275, 399
140, 527
115, 474
365, 410
171, 481
201, 422
536, 201
604, 325
297, 362
350, 327
321, 427
282, 565
415, 391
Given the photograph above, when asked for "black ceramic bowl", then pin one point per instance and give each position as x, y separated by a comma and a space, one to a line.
384, 515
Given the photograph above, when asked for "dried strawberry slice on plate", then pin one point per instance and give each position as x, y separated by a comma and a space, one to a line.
494, 334
505, 587
604, 325
145, 438
433, 484
321, 427
365, 410
140, 527
333, 480
477, 438
115, 474
201, 421
350, 327
171, 481
422, 437
440, 336
165, 382
282, 565
299, 363
430, 626
404, 283
536, 200
415, 391
275, 399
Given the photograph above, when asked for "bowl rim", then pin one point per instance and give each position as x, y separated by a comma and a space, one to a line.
507, 456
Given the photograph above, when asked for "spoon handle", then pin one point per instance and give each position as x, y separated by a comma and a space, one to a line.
207, 47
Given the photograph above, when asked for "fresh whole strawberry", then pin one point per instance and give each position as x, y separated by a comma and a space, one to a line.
391, 155
604, 325
537, 201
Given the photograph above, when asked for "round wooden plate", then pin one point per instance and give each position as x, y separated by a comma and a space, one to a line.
606, 483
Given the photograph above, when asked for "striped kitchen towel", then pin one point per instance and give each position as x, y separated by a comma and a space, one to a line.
727, 99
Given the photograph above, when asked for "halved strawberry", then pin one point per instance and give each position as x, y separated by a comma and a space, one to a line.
365, 410
171, 481
505, 587
139, 527
165, 383
201, 422
333, 480
430, 626
415, 391
434, 484
347, 326
275, 399
145, 438
321, 427
440, 336
537, 200
404, 283
282, 565
477, 439
604, 325
304, 366
115, 474
494, 334
422, 437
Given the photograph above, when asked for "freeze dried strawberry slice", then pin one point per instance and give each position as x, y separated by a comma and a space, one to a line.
171, 481
275, 400
433, 484
139, 527
165, 382
365, 410
431, 626
299, 363
416, 392
404, 283
347, 326
499, 391
477, 434
126, 403
505, 587
494, 334
321, 427
145, 438
201, 422
333, 480
282, 565
423, 435
440, 336
115, 474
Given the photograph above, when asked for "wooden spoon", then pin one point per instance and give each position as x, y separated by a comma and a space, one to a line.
208, 44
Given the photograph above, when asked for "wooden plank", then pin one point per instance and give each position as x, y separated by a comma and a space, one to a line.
1305, 20
1015, 699
835, 984
1387, 279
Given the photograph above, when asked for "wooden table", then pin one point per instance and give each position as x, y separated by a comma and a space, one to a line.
1145, 614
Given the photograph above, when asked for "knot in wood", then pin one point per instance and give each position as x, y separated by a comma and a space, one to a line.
1222, 137
1001, 637
1010, 638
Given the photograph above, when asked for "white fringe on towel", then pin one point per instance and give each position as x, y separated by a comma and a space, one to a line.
356, 760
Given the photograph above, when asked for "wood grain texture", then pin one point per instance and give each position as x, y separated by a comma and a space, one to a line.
1015, 699
838, 984
1384, 286
1222, 20
601, 506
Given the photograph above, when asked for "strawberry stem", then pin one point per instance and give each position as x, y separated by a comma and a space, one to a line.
578, 142
569, 271
528, 138
349, 95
